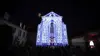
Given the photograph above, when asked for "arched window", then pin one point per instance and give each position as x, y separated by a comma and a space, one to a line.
51, 28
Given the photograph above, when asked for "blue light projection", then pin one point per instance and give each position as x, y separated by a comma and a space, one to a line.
52, 31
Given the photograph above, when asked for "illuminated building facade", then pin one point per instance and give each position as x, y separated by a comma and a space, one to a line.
52, 31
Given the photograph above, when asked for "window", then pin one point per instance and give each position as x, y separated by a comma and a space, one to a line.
51, 28
19, 33
23, 34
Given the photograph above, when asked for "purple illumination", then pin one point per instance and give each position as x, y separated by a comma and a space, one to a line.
52, 31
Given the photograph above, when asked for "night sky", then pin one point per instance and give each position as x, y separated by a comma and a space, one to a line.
79, 15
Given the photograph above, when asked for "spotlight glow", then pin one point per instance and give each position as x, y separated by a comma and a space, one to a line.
91, 44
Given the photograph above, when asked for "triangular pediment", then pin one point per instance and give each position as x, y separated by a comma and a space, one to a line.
52, 14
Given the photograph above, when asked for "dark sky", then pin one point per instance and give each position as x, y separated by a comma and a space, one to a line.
79, 15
